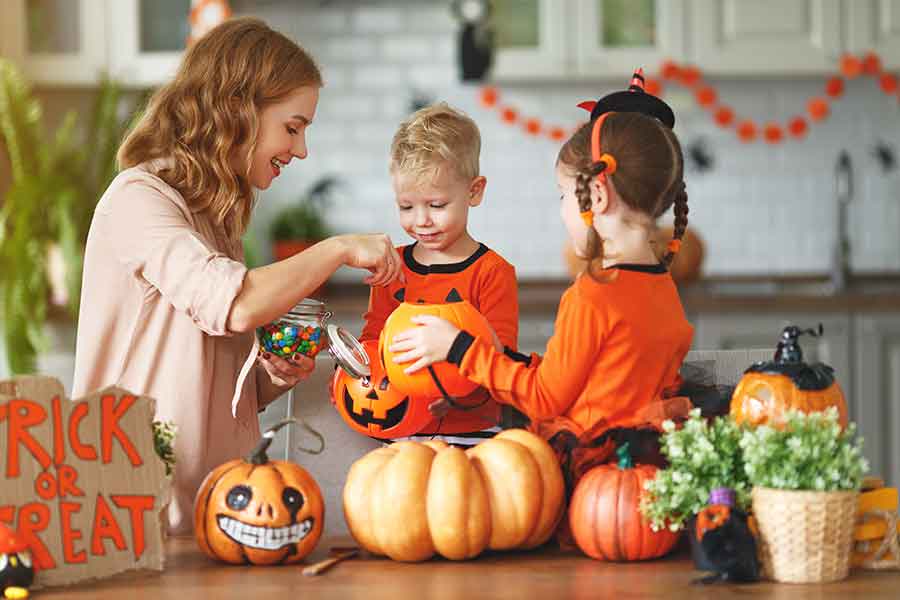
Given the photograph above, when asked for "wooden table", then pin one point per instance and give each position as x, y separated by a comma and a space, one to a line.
546, 574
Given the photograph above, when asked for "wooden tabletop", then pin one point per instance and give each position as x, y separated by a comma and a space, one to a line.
545, 574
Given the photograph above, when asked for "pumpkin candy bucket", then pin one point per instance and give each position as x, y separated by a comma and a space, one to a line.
373, 406
770, 388
259, 512
440, 379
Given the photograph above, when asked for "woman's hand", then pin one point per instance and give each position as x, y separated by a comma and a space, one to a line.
426, 344
376, 253
284, 373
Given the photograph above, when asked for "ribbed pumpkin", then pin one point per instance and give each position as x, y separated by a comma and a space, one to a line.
410, 500
604, 516
770, 388
422, 385
372, 406
259, 512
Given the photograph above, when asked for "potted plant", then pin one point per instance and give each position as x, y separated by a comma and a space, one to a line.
703, 455
298, 226
806, 477
46, 212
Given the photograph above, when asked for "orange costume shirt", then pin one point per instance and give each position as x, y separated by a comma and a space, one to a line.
487, 281
612, 362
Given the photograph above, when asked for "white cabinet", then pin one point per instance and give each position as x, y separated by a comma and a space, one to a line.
876, 401
56, 41
614, 37
149, 38
584, 39
733, 37
874, 25
77, 42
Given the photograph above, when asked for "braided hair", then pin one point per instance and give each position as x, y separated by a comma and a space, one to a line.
648, 176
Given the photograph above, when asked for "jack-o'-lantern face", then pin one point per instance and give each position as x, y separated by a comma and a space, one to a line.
261, 514
373, 407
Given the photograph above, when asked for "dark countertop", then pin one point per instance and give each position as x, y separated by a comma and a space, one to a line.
877, 293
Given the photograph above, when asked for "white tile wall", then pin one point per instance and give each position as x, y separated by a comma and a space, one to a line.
762, 209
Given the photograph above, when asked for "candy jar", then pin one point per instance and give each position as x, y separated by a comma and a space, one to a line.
305, 330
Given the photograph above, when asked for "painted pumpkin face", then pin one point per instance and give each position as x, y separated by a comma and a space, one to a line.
423, 384
372, 406
712, 517
259, 512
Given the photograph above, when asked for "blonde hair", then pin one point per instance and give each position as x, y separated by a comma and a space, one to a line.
211, 109
434, 137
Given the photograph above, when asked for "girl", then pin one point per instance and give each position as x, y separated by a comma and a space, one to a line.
168, 308
611, 368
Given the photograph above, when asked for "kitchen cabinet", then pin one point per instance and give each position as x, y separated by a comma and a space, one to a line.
590, 39
876, 396
874, 25
78, 42
599, 39
731, 37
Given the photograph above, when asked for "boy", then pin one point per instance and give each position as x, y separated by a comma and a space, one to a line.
436, 180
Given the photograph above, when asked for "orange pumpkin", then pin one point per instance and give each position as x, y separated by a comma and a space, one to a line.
604, 516
372, 406
426, 384
769, 388
410, 500
259, 512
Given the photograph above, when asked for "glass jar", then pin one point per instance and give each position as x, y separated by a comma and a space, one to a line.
304, 330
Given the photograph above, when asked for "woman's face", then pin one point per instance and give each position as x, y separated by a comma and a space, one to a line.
282, 135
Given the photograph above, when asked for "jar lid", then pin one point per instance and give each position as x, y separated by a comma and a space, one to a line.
348, 352
309, 307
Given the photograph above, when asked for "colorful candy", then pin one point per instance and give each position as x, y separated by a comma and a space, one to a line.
286, 339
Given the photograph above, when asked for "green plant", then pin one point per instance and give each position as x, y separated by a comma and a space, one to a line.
164, 443
811, 452
702, 456
304, 220
56, 183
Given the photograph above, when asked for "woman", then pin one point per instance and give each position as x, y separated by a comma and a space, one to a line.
168, 308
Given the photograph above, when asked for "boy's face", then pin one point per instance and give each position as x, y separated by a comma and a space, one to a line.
282, 135
435, 212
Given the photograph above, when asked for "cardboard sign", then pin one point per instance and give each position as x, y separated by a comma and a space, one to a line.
80, 480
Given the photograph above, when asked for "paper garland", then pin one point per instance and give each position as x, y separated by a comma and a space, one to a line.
748, 130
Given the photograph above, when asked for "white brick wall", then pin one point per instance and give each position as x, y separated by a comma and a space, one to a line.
762, 209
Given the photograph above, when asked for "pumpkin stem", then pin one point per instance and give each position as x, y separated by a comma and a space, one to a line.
259, 456
625, 461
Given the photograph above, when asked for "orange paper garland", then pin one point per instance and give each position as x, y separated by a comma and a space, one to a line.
747, 130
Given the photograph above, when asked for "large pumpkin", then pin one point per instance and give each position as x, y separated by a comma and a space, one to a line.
769, 388
427, 383
410, 500
374, 407
260, 512
604, 514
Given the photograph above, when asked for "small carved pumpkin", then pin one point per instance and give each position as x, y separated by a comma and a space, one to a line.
259, 512
372, 406
769, 388
410, 500
440, 379
16, 568
604, 514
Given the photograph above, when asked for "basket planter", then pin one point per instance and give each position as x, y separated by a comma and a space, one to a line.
804, 536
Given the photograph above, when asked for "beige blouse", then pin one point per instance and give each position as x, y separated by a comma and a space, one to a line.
159, 281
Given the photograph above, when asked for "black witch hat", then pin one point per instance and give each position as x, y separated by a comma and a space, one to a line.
634, 99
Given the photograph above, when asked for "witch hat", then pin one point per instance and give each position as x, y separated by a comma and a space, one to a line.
634, 99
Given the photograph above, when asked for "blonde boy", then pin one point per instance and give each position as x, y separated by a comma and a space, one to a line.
436, 180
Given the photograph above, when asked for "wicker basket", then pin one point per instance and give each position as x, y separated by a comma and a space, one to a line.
805, 537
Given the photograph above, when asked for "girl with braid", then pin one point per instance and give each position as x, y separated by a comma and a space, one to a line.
610, 372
